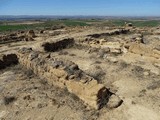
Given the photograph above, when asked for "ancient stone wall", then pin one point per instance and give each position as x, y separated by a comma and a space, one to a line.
18, 36
109, 33
65, 74
58, 45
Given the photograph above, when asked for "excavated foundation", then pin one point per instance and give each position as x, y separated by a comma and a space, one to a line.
65, 74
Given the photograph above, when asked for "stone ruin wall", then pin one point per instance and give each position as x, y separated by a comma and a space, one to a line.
65, 74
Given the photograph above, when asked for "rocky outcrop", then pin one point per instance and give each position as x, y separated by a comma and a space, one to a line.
65, 74
8, 60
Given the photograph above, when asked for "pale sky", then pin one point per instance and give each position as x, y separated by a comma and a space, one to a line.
81, 7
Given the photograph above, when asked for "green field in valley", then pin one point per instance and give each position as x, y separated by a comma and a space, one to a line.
51, 23
71, 23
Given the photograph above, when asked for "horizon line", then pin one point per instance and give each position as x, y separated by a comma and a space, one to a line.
92, 15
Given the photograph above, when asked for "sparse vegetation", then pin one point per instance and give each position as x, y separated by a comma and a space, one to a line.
137, 23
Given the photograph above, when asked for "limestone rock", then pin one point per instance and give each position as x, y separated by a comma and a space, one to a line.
114, 101
112, 45
112, 59
146, 73
95, 71
116, 51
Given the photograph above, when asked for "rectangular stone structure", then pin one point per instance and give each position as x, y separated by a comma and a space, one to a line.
65, 74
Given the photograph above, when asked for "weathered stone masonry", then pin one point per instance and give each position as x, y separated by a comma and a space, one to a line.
65, 74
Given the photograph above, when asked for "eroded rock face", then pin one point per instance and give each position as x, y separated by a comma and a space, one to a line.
65, 74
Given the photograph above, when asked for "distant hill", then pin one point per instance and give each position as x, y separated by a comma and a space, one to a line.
47, 17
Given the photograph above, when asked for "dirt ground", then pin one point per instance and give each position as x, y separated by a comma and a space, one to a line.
134, 77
